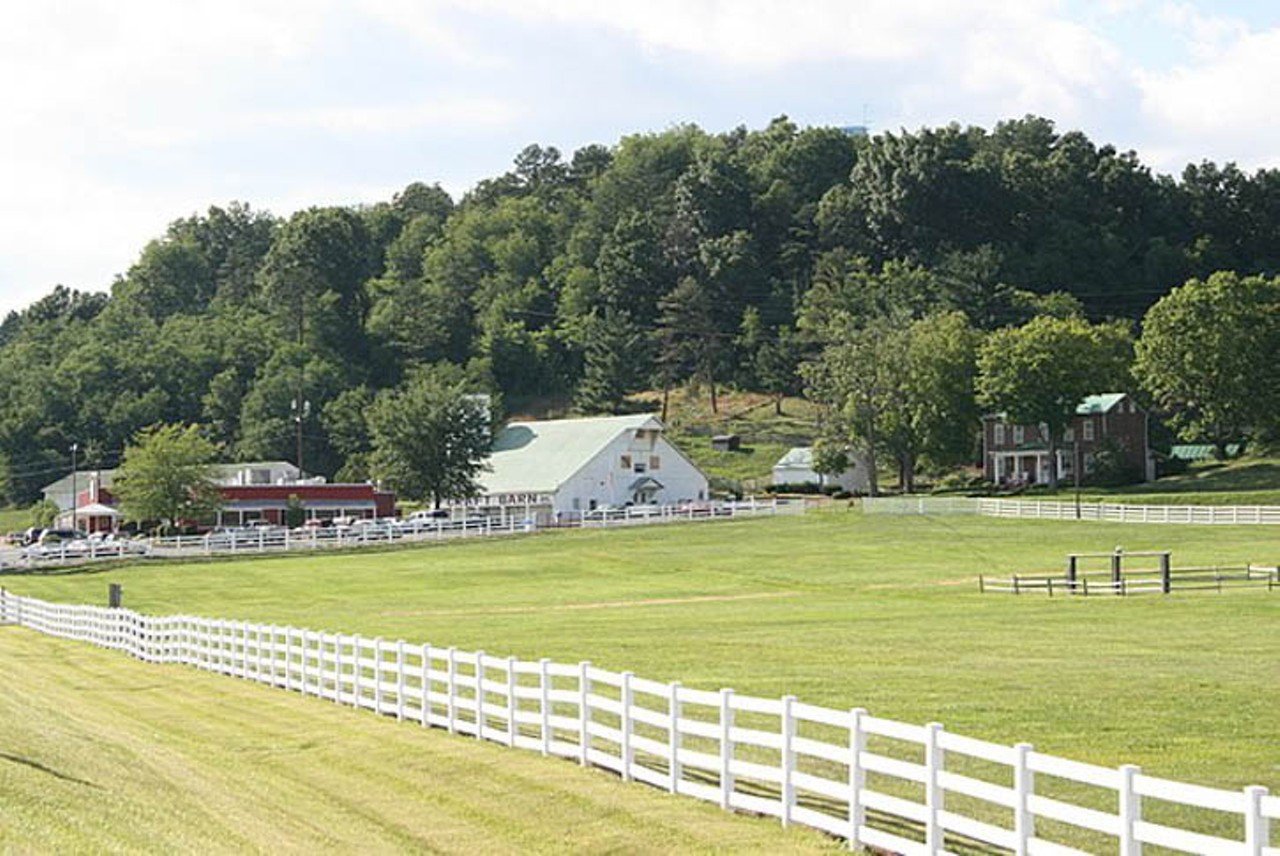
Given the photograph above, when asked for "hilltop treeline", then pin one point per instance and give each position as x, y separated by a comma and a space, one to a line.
664, 258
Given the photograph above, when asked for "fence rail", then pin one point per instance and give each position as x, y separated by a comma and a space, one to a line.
275, 540
876, 782
1229, 515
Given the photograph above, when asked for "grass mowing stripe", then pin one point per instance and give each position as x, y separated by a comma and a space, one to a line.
119, 755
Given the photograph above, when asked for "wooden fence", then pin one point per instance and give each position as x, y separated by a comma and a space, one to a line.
876, 782
1229, 515
1216, 578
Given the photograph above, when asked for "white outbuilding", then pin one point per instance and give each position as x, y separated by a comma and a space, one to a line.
796, 467
567, 467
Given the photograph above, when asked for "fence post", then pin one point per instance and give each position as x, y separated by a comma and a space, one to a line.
934, 759
1024, 785
479, 699
302, 656
1166, 574
544, 704
857, 777
451, 689
584, 712
399, 680
627, 698
788, 758
377, 675
357, 671
511, 701
1130, 812
1257, 829
726, 748
424, 684
674, 773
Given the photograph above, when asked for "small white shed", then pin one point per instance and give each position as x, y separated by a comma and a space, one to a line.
796, 467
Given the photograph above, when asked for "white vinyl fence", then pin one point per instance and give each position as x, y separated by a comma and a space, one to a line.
280, 539
1095, 511
875, 782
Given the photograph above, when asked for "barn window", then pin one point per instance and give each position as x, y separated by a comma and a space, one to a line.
655, 463
626, 462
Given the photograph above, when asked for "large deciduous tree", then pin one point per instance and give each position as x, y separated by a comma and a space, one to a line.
1038, 374
1207, 355
167, 475
429, 437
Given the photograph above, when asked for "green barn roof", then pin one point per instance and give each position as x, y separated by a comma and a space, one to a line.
538, 457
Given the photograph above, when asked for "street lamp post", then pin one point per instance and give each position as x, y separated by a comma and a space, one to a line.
1075, 472
75, 494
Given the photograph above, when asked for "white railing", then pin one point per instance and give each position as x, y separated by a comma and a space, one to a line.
875, 782
1094, 511
272, 540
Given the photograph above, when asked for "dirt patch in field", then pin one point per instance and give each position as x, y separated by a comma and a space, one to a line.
603, 604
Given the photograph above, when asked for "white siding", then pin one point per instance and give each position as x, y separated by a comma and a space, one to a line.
604, 480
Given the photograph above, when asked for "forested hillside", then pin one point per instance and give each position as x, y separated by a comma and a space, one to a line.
665, 258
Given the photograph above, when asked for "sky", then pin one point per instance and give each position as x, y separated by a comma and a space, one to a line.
120, 117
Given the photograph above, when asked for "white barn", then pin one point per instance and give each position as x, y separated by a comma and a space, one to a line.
796, 467
567, 467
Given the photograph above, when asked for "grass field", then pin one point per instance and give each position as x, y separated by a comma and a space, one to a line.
103, 754
837, 608
14, 519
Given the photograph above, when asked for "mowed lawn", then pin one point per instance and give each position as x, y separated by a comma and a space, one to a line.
100, 753
837, 608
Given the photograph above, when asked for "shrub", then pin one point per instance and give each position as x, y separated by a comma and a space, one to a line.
1110, 469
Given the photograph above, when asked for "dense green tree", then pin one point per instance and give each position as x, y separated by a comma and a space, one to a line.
1206, 356
615, 348
313, 279
430, 436
670, 257
1038, 374
166, 475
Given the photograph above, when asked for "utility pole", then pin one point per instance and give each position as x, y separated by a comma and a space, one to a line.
75, 494
301, 409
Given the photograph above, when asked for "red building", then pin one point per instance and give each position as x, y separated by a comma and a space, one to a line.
1019, 454
248, 495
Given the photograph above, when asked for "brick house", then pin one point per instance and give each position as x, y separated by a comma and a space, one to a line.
1019, 454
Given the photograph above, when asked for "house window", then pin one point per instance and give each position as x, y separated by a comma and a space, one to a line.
998, 432
655, 463
577, 504
1088, 429
1019, 435
1069, 435
626, 462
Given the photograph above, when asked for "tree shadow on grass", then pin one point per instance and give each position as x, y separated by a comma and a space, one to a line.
36, 765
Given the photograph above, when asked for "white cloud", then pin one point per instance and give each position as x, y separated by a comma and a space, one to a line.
122, 115
1222, 103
